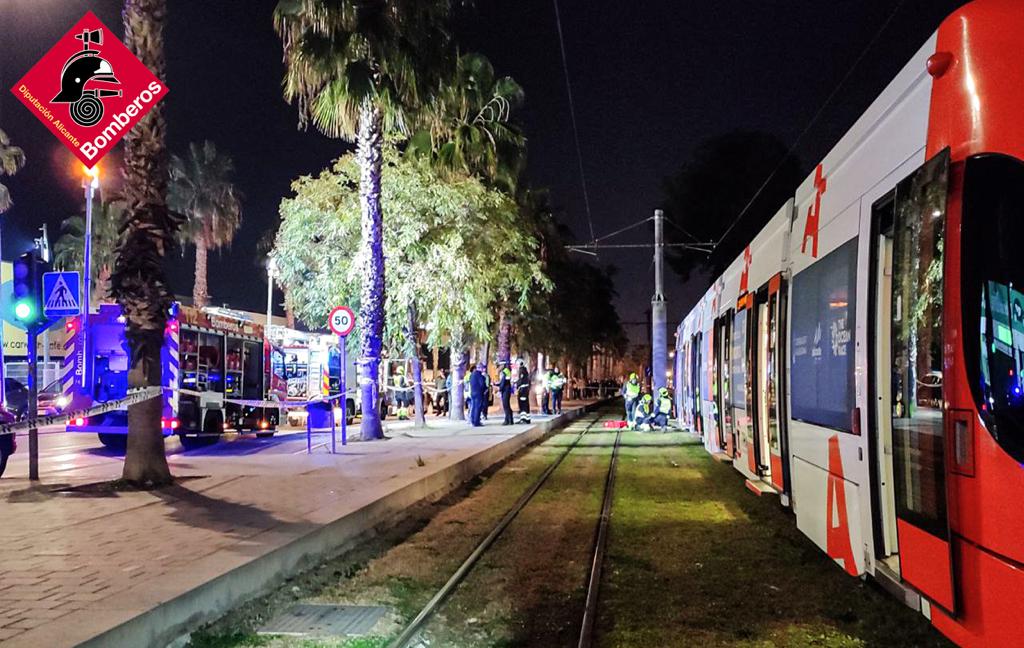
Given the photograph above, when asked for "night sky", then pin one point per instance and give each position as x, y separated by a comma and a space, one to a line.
651, 80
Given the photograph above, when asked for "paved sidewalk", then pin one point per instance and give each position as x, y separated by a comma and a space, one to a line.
142, 568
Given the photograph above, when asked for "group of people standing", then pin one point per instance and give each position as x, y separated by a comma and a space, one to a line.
513, 386
643, 411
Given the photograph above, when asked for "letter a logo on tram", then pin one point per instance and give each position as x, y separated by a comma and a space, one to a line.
89, 90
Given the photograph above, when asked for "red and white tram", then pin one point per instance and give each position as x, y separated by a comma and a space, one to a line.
863, 357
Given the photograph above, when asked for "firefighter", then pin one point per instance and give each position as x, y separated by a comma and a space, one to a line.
523, 392
631, 392
505, 389
643, 412
478, 395
556, 382
662, 409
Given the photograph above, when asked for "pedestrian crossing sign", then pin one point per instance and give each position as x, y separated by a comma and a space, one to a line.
61, 294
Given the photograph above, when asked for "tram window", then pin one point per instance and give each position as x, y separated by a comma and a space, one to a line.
822, 340
993, 295
738, 383
916, 332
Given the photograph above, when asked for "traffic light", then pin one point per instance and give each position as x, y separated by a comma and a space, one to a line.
27, 290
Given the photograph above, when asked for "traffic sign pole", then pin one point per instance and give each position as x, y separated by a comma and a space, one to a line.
344, 390
33, 401
341, 322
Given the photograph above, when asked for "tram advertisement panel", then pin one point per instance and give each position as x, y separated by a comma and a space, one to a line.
824, 307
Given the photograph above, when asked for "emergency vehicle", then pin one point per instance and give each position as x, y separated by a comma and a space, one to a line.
306, 366
862, 358
212, 359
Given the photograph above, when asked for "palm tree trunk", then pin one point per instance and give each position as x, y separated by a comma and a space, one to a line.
200, 293
138, 282
504, 337
371, 313
417, 369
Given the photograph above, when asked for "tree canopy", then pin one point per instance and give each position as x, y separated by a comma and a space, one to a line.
453, 247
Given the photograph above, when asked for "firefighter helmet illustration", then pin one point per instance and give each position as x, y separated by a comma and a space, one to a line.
82, 69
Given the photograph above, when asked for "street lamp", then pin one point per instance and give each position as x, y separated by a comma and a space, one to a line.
271, 273
90, 183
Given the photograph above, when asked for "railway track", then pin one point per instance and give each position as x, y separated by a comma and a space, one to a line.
409, 637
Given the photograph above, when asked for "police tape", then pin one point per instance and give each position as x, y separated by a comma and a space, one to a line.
133, 398
284, 404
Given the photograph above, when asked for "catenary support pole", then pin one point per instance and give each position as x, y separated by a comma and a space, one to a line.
659, 349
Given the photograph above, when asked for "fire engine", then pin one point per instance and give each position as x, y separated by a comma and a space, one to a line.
213, 360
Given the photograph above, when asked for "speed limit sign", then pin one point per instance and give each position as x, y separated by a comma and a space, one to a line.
342, 320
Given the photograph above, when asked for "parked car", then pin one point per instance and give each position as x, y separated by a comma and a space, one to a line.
8, 444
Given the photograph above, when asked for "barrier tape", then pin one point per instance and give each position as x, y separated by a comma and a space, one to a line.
133, 398
285, 404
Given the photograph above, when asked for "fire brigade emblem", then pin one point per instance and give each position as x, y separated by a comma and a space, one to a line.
89, 90
79, 78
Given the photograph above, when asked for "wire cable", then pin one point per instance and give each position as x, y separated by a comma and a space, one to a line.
817, 115
575, 128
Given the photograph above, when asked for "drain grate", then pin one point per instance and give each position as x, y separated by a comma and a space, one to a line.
325, 620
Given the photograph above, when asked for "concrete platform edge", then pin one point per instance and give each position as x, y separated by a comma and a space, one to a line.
171, 621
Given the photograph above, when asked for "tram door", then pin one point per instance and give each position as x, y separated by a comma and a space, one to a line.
723, 366
768, 370
912, 536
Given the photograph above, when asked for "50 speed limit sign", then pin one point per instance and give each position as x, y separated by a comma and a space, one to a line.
342, 320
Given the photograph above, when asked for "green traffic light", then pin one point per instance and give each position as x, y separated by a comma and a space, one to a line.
23, 310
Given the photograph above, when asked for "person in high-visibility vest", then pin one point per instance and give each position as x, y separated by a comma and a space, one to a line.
401, 387
631, 392
662, 409
505, 389
642, 413
556, 383
523, 392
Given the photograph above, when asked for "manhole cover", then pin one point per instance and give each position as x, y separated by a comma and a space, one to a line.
325, 620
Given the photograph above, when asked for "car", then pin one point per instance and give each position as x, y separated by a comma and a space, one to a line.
8, 442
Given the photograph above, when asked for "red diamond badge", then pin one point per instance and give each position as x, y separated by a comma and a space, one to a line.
89, 90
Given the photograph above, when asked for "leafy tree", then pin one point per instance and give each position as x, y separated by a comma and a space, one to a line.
12, 159
711, 189
454, 246
359, 69
470, 128
201, 191
69, 250
138, 281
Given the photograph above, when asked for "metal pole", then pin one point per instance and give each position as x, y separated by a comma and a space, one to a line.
33, 401
90, 192
270, 315
659, 318
344, 391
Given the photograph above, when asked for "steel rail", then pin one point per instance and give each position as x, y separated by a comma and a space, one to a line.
410, 632
597, 558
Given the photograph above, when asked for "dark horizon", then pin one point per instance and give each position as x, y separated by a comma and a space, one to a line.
638, 123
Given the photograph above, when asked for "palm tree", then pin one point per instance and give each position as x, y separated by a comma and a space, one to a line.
138, 281
69, 250
12, 159
471, 130
358, 69
201, 191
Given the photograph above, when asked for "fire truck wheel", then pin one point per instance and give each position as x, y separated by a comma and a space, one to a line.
350, 411
118, 442
213, 426
264, 435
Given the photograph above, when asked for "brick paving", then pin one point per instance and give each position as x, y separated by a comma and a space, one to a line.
73, 565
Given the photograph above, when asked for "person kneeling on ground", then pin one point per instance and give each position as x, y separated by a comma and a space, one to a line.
663, 409
643, 413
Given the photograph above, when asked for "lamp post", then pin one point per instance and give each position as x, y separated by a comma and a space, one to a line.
90, 183
271, 272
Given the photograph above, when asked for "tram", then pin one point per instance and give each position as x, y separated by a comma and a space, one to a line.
862, 358
212, 359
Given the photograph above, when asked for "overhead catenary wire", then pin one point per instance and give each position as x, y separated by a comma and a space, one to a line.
814, 119
575, 127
